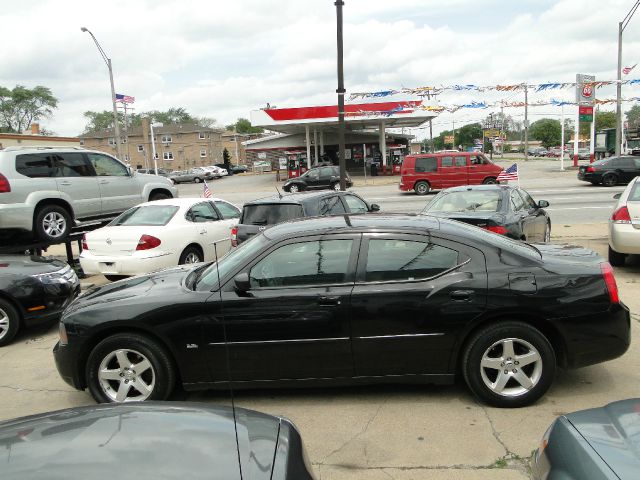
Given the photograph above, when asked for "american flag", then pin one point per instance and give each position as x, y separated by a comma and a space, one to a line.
510, 173
627, 70
124, 98
207, 192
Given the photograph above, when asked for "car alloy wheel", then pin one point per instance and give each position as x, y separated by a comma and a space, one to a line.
9, 322
609, 180
54, 224
190, 255
422, 188
196, 180
126, 376
490, 181
336, 186
293, 189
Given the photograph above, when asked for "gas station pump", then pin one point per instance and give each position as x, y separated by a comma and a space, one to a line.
296, 164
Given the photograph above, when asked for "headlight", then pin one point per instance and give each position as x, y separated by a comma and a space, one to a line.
64, 275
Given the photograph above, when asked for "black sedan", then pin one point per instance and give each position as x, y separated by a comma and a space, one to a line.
152, 441
320, 177
351, 299
502, 209
610, 171
595, 444
33, 290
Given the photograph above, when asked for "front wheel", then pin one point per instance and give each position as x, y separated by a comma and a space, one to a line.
128, 367
609, 180
509, 364
336, 186
294, 189
616, 258
196, 180
421, 188
9, 322
490, 181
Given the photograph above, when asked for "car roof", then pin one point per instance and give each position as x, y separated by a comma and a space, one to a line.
466, 188
181, 202
296, 198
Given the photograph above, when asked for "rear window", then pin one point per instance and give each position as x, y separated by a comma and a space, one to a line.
634, 194
146, 216
426, 164
33, 165
270, 213
470, 200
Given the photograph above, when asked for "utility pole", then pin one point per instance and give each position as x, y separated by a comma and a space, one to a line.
502, 139
621, 26
341, 91
430, 127
526, 122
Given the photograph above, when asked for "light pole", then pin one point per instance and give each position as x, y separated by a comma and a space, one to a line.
153, 145
621, 26
341, 91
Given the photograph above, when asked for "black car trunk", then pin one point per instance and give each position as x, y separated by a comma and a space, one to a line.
259, 216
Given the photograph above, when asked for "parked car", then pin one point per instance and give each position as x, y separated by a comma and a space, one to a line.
222, 167
152, 171
352, 298
215, 171
170, 441
610, 171
537, 152
266, 212
262, 166
182, 176
624, 225
583, 154
49, 190
157, 235
317, 178
239, 168
502, 209
433, 171
201, 174
595, 444
33, 290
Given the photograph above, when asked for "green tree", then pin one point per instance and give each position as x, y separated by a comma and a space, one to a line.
226, 158
244, 126
633, 116
546, 130
97, 121
21, 106
605, 120
467, 135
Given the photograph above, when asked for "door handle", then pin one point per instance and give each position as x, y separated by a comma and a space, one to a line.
203, 231
66, 184
104, 181
461, 295
328, 301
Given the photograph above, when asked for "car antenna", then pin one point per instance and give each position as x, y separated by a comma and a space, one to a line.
279, 194
228, 358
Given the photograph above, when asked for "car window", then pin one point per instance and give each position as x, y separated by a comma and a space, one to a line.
148, 215
270, 213
331, 206
306, 263
528, 201
33, 165
636, 162
478, 160
426, 164
468, 200
202, 212
326, 171
516, 201
107, 166
406, 260
70, 165
446, 161
355, 205
227, 210
461, 161
312, 175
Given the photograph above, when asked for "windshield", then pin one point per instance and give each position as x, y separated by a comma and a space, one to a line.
270, 213
149, 215
469, 200
246, 251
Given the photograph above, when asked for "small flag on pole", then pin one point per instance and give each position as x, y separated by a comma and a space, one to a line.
627, 70
124, 98
510, 173
207, 192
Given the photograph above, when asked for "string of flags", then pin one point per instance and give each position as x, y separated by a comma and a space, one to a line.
540, 87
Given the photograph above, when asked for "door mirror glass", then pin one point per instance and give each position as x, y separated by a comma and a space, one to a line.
242, 282
543, 204
374, 207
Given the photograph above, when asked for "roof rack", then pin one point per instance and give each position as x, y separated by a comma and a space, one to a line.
14, 148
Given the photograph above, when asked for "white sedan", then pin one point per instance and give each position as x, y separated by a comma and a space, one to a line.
160, 234
624, 225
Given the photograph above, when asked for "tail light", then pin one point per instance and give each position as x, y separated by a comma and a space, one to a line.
497, 229
5, 186
85, 245
147, 242
590, 170
234, 237
610, 282
621, 215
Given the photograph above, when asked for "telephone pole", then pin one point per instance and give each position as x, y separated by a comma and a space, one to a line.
341, 91
526, 123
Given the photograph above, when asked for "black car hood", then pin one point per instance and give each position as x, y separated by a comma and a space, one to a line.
28, 265
141, 440
613, 431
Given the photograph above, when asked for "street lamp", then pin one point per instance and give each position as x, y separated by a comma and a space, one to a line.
153, 145
107, 60
621, 26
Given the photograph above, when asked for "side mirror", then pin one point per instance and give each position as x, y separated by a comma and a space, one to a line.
617, 196
374, 207
130, 171
543, 204
242, 282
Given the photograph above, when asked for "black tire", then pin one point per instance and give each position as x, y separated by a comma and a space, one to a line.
422, 188
115, 278
616, 258
52, 223
490, 181
188, 255
9, 322
336, 186
610, 180
196, 180
540, 372
138, 348
159, 196
294, 188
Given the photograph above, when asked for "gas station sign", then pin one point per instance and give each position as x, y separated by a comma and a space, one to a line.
585, 92
585, 113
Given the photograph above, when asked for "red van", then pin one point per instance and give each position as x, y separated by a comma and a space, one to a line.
430, 171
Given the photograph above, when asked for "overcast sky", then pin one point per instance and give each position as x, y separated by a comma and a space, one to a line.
224, 59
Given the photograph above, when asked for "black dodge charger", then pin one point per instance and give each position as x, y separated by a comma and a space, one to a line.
351, 299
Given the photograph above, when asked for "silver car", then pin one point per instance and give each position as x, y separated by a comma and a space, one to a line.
624, 225
49, 190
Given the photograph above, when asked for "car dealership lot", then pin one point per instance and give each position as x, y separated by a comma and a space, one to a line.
385, 431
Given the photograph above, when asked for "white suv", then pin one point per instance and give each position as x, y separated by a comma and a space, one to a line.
49, 190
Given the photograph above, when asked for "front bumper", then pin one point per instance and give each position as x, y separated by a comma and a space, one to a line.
136, 264
66, 359
624, 238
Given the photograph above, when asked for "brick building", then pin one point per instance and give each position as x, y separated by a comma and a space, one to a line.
34, 139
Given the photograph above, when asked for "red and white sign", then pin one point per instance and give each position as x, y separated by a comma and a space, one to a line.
587, 91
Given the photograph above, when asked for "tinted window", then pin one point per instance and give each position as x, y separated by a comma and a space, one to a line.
33, 166
150, 215
227, 210
107, 166
426, 164
636, 162
311, 175
468, 200
516, 201
202, 212
326, 171
461, 161
446, 161
270, 214
331, 206
407, 260
528, 201
355, 204
70, 165
307, 263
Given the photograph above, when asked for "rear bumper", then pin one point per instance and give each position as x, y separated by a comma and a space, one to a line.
16, 216
589, 177
624, 238
126, 265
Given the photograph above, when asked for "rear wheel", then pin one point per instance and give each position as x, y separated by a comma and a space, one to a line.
610, 180
616, 258
159, 196
509, 364
422, 188
191, 255
336, 186
52, 223
9, 322
490, 181
197, 180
